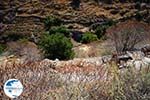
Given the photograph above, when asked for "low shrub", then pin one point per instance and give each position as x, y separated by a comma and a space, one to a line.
88, 37
130, 85
100, 29
56, 46
11, 37
51, 21
61, 30
2, 48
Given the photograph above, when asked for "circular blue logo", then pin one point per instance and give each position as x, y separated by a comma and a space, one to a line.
13, 88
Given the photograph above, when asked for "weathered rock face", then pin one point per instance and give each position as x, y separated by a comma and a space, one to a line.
26, 25
25, 16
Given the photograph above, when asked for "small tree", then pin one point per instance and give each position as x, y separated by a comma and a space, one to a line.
56, 46
127, 34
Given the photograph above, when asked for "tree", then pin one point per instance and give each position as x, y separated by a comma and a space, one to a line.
56, 46
127, 34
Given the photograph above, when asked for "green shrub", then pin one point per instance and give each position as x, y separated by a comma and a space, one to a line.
51, 21
61, 30
88, 37
12, 37
56, 46
100, 31
2, 48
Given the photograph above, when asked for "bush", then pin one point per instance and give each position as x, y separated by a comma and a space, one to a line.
130, 85
61, 30
56, 46
100, 31
88, 37
11, 37
51, 21
126, 35
2, 48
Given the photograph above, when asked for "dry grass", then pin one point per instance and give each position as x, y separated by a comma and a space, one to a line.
91, 82
94, 49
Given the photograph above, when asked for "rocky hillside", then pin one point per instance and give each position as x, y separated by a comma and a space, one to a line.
95, 72
23, 16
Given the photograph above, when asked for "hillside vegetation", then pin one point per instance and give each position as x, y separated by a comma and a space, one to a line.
76, 49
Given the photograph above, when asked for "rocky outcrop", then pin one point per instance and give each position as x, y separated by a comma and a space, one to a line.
27, 16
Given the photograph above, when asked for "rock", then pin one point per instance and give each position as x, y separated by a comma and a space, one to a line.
108, 7
56, 60
22, 10
33, 11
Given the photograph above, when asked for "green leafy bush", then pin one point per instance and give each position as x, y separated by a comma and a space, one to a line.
61, 30
56, 46
51, 21
88, 37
